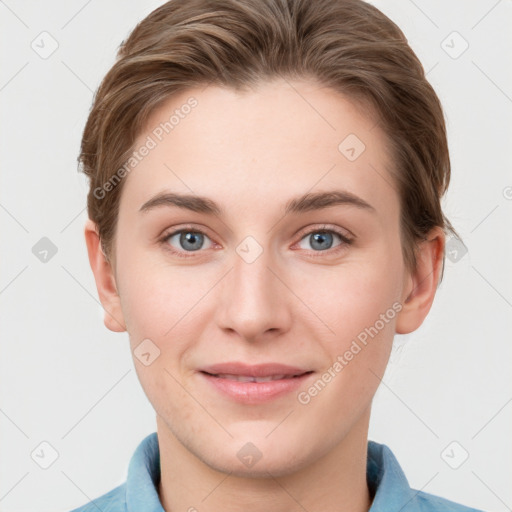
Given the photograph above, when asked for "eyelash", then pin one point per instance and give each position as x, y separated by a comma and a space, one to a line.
345, 240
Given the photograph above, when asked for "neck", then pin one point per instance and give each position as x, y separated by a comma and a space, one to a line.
335, 482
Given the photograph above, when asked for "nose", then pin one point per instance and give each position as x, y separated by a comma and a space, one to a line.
254, 301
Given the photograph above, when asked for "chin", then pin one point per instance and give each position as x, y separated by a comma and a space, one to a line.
259, 459
264, 468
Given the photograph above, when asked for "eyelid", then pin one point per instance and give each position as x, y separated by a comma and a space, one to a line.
344, 233
194, 228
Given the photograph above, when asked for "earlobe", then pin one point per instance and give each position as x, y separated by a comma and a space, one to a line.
421, 284
105, 279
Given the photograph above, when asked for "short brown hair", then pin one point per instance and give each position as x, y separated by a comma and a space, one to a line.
347, 45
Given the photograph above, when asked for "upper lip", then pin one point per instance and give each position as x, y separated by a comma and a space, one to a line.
255, 370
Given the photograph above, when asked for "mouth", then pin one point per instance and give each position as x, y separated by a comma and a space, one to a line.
250, 378
254, 384
263, 370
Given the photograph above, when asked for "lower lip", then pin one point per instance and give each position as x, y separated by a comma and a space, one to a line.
255, 392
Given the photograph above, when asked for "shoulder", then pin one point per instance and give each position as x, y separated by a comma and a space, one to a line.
425, 502
139, 492
391, 490
112, 501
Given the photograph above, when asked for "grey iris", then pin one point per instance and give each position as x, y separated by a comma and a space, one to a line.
320, 239
196, 239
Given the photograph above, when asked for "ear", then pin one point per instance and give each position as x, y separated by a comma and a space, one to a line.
420, 285
105, 280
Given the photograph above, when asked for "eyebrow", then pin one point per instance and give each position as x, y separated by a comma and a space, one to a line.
305, 203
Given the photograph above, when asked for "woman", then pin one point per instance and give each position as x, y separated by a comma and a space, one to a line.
264, 216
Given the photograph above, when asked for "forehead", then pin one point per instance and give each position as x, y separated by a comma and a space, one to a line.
274, 142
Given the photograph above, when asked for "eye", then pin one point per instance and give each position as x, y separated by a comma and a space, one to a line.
185, 241
322, 239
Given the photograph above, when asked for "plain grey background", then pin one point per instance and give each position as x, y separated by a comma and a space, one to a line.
445, 404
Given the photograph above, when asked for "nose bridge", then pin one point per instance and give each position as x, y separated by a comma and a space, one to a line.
253, 300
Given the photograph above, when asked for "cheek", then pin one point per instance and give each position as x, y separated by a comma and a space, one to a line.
354, 298
161, 384
363, 319
360, 305
156, 298
364, 335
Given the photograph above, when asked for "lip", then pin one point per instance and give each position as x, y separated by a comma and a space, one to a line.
254, 370
223, 378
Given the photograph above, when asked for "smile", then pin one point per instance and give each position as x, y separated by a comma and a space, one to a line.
250, 378
253, 384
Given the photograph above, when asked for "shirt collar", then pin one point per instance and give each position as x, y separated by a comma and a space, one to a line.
144, 477
386, 480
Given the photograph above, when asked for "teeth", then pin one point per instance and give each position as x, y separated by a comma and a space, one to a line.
249, 378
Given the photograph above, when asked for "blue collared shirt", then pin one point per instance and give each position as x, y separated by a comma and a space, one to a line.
386, 482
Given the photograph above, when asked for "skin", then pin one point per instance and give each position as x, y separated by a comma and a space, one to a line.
252, 152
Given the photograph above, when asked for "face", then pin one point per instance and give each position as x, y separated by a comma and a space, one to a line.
259, 274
